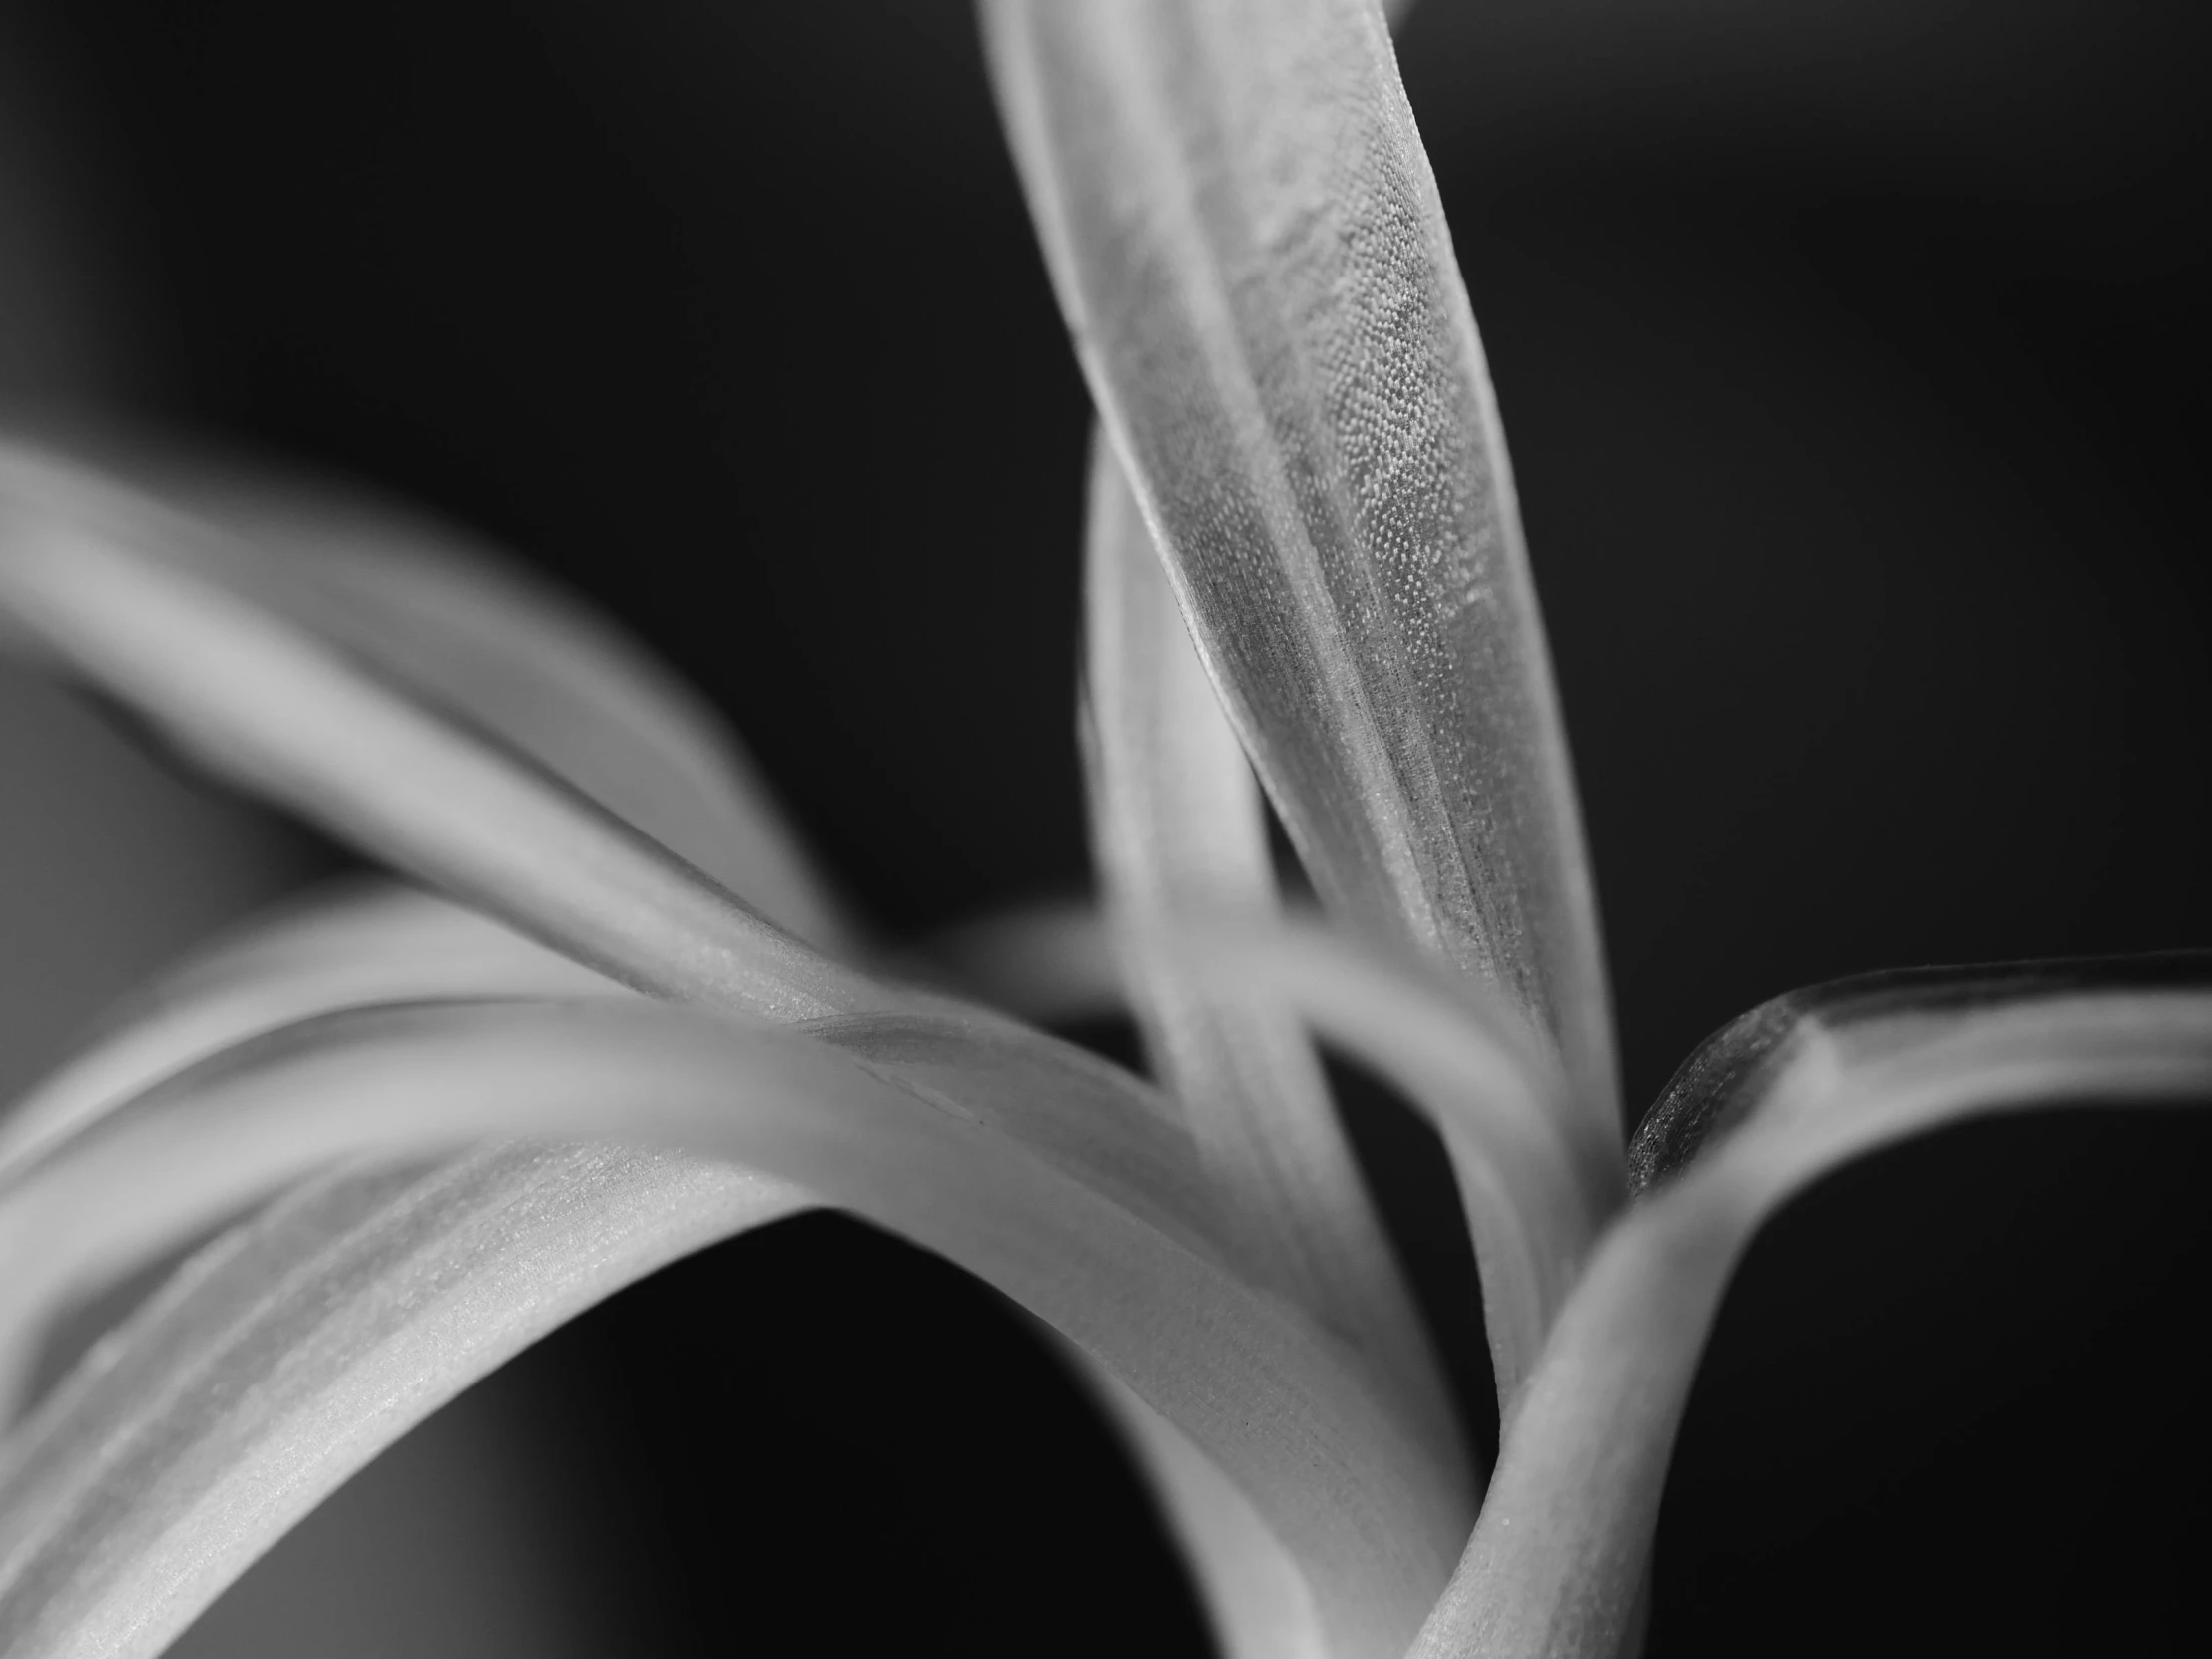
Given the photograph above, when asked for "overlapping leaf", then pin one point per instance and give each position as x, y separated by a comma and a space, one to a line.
91, 570
297, 1347
1282, 1407
115, 583
1540, 1193
1790, 1092
355, 1306
1248, 247
1177, 825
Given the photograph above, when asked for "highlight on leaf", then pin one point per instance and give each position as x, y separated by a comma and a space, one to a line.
623, 1017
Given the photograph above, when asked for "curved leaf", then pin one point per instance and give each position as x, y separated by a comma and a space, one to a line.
379, 943
293, 716
450, 621
1553, 1569
387, 944
1248, 245
1266, 1394
1058, 1102
1176, 822
288, 1354
1535, 1195
109, 578
543, 674
1256, 1597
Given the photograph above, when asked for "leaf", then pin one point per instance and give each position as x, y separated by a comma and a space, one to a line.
1263, 1390
1535, 1193
1553, 1569
1256, 1598
388, 945
451, 621
83, 569
375, 943
382, 944
1248, 245
1737, 1074
290, 1352
1176, 822
287, 712
1058, 1102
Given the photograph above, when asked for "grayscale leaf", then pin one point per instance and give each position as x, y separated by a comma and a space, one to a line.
1246, 240
392, 944
1539, 1194
1554, 1566
377, 943
130, 541
89, 569
292, 1351
1177, 824
1272, 1399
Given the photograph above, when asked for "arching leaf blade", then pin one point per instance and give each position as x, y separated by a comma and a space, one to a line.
1556, 1560
1280, 1406
288, 715
386, 944
1536, 1196
465, 630
294, 1349
1249, 249
1177, 824
379, 942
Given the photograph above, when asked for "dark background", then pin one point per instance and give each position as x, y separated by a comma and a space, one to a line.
1854, 363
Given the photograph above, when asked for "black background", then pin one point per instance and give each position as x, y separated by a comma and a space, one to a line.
1855, 365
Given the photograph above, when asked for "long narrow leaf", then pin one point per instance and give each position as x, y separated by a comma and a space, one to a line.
1553, 1569
1248, 245
1078, 1114
384, 944
1256, 1598
454, 625
379, 943
288, 714
290, 1353
95, 570
83, 556
1177, 824
1535, 1195
270, 706
1265, 1392
388, 945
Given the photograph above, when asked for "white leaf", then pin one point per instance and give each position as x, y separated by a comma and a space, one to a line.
288, 1354
376, 944
1536, 1190
1269, 1396
83, 569
1177, 824
113, 581
1553, 1569
454, 622
1247, 244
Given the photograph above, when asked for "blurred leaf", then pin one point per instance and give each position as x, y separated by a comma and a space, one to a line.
1539, 1194
1267, 1396
105, 578
292, 1351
